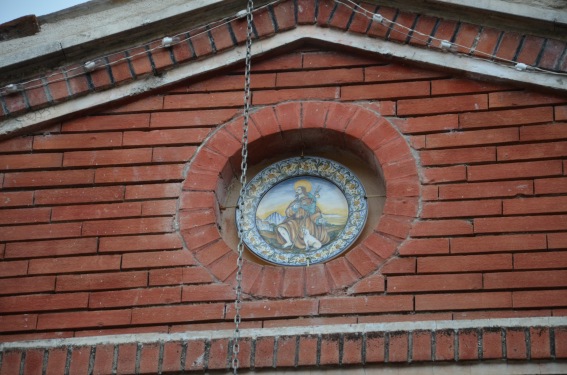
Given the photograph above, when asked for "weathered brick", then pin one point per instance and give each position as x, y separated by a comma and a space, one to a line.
444, 345
74, 264
385, 91
539, 298
426, 246
421, 349
398, 347
205, 101
487, 207
527, 279
268, 283
23, 322
275, 96
522, 98
514, 170
491, 343
466, 301
181, 313
135, 297
341, 273
532, 151
424, 124
500, 243
43, 302
540, 347
511, 117
464, 263
549, 259
17, 198
433, 283
328, 77
127, 226
48, 178
363, 260
165, 137
472, 138
520, 224
26, 285
73, 141
107, 157
349, 305
30, 161
150, 103
275, 309
486, 190
101, 281
40, 231
445, 174
399, 266
440, 228
470, 155
206, 293
192, 118
375, 347
14, 268
79, 195
158, 259
98, 211
409, 107
24, 216
538, 205
140, 243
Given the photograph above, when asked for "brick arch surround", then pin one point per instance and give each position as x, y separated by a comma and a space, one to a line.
352, 126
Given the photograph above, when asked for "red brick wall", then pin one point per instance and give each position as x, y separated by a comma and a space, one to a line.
88, 237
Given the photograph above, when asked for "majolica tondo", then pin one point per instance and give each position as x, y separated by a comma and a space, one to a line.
302, 211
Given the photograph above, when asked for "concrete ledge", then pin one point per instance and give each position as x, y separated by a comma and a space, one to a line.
344, 346
148, 338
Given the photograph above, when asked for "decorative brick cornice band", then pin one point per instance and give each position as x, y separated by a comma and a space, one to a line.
522, 339
56, 87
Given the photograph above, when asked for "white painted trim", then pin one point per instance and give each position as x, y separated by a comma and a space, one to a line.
476, 68
516, 9
147, 338
489, 367
56, 37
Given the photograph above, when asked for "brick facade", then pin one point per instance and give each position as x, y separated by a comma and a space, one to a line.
111, 223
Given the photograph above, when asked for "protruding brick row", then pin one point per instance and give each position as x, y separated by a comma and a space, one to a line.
335, 349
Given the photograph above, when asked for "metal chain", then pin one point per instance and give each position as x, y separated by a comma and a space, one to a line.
244, 168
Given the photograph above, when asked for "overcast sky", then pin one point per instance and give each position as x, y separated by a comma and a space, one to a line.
11, 9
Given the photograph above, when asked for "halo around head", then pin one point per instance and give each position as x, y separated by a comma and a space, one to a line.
306, 184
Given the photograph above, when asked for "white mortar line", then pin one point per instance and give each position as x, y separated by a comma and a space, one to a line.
148, 338
464, 64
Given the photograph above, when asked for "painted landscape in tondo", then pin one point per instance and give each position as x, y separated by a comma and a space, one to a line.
302, 214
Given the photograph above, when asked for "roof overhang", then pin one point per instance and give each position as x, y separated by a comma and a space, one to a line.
57, 45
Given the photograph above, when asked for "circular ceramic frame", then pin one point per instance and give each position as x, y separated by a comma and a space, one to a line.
321, 174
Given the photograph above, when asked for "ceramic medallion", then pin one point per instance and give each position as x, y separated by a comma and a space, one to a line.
302, 211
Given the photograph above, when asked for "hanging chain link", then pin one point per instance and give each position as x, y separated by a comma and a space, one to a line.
244, 168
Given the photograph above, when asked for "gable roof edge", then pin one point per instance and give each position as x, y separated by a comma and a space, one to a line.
466, 65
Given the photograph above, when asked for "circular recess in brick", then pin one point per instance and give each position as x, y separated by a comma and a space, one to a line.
353, 135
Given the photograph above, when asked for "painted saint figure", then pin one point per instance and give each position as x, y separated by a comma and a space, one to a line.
304, 225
